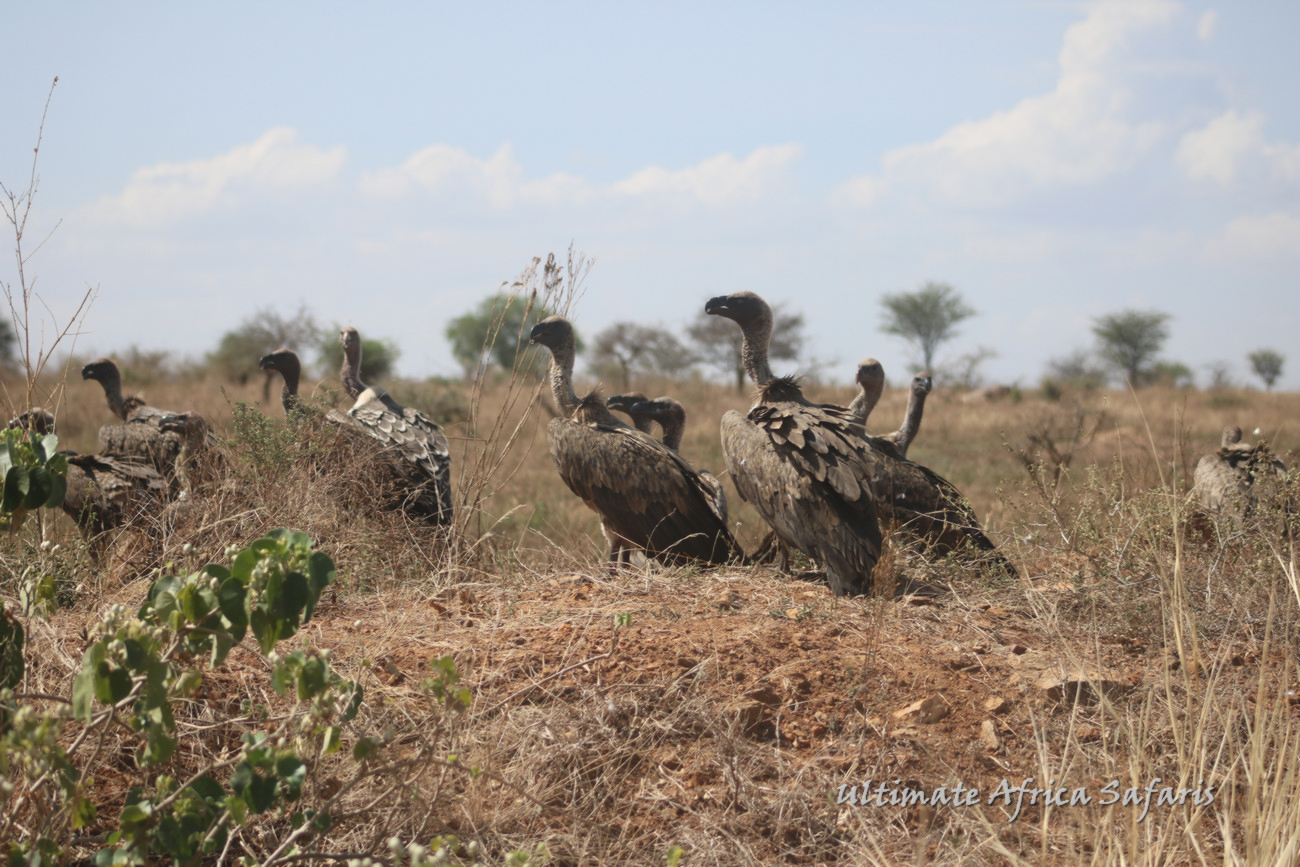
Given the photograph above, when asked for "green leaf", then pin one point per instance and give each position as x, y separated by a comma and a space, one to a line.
17, 483
41, 484
83, 694
331, 742
58, 490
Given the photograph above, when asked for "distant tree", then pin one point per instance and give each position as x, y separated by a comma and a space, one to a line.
237, 354
1267, 365
718, 341
1080, 369
1130, 340
378, 357
625, 346
8, 344
926, 317
1220, 374
496, 332
1173, 373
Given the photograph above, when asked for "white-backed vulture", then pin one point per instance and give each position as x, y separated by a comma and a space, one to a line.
128, 409
409, 432
107, 492
199, 462
902, 438
912, 496
671, 417
871, 378
140, 436
418, 494
624, 403
1226, 481
648, 496
38, 420
804, 467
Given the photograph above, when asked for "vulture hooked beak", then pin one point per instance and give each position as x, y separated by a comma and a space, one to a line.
716, 305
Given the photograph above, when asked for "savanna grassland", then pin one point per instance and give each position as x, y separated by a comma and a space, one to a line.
721, 716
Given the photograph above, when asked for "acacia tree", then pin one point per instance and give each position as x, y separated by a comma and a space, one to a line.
1130, 340
718, 341
627, 345
926, 317
1267, 365
496, 332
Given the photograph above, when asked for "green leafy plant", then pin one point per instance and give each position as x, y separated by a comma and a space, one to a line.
34, 473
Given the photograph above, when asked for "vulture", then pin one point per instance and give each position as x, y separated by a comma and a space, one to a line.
671, 416
130, 409
805, 468
624, 403
902, 438
409, 432
198, 461
871, 378
107, 491
38, 420
140, 436
410, 468
104, 492
1225, 481
915, 497
648, 496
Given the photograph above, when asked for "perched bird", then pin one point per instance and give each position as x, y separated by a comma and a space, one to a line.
804, 467
871, 378
418, 439
670, 415
412, 469
624, 403
648, 496
1228, 481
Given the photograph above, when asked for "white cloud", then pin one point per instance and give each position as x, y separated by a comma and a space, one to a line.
498, 181
275, 162
1077, 134
1255, 238
1231, 144
1206, 25
719, 181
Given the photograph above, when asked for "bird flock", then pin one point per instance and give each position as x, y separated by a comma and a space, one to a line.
815, 473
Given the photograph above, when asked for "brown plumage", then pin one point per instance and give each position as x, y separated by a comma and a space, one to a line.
107, 492
647, 495
1227, 481
104, 492
804, 467
38, 420
199, 462
128, 409
624, 403
410, 433
141, 436
871, 378
914, 497
409, 464
670, 415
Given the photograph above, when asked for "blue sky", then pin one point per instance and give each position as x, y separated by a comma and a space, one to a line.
392, 166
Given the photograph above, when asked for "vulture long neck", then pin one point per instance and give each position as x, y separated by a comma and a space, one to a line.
862, 405
673, 423
753, 351
560, 375
112, 382
291, 371
350, 373
911, 420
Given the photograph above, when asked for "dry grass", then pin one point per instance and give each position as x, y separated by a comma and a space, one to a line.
615, 718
